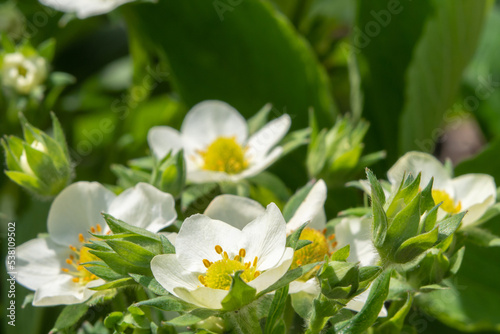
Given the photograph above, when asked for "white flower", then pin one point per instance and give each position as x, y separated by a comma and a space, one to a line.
23, 73
208, 251
85, 8
238, 211
473, 193
216, 146
50, 265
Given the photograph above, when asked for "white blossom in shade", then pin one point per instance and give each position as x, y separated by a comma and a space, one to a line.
22, 73
51, 265
473, 193
84, 8
209, 251
216, 144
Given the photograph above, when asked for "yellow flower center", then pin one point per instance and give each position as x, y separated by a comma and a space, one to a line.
218, 275
448, 203
314, 252
224, 155
22, 71
81, 255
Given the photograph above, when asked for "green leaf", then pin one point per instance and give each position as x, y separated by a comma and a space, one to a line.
239, 294
258, 120
192, 317
302, 303
481, 237
167, 303
430, 92
274, 318
128, 177
369, 313
47, 49
150, 283
473, 299
70, 315
289, 76
396, 321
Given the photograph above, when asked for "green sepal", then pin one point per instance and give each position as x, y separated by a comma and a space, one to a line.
275, 315
69, 316
427, 201
118, 226
119, 264
338, 279
258, 120
167, 247
150, 283
132, 252
128, 177
481, 237
290, 276
295, 201
380, 222
119, 283
292, 240
448, 226
369, 313
415, 246
404, 226
341, 254
239, 294
104, 272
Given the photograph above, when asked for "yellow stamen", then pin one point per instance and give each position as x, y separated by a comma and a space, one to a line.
218, 249
242, 252
99, 228
314, 252
206, 263
92, 229
81, 238
448, 204
224, 154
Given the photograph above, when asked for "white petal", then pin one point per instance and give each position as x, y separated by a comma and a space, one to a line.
357, 303
356, 232
144, 206
311, 286
416, 162
209, 120
163, 139
266, 138
170, 274
61, 291
198, 237
310, 208
76, 209
471, 189
203, 296
237, 211
84, 8
477, 211
259, 165
208, 176
270, 276
266, 238
38, 262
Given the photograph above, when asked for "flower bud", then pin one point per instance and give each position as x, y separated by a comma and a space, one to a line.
40, 163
